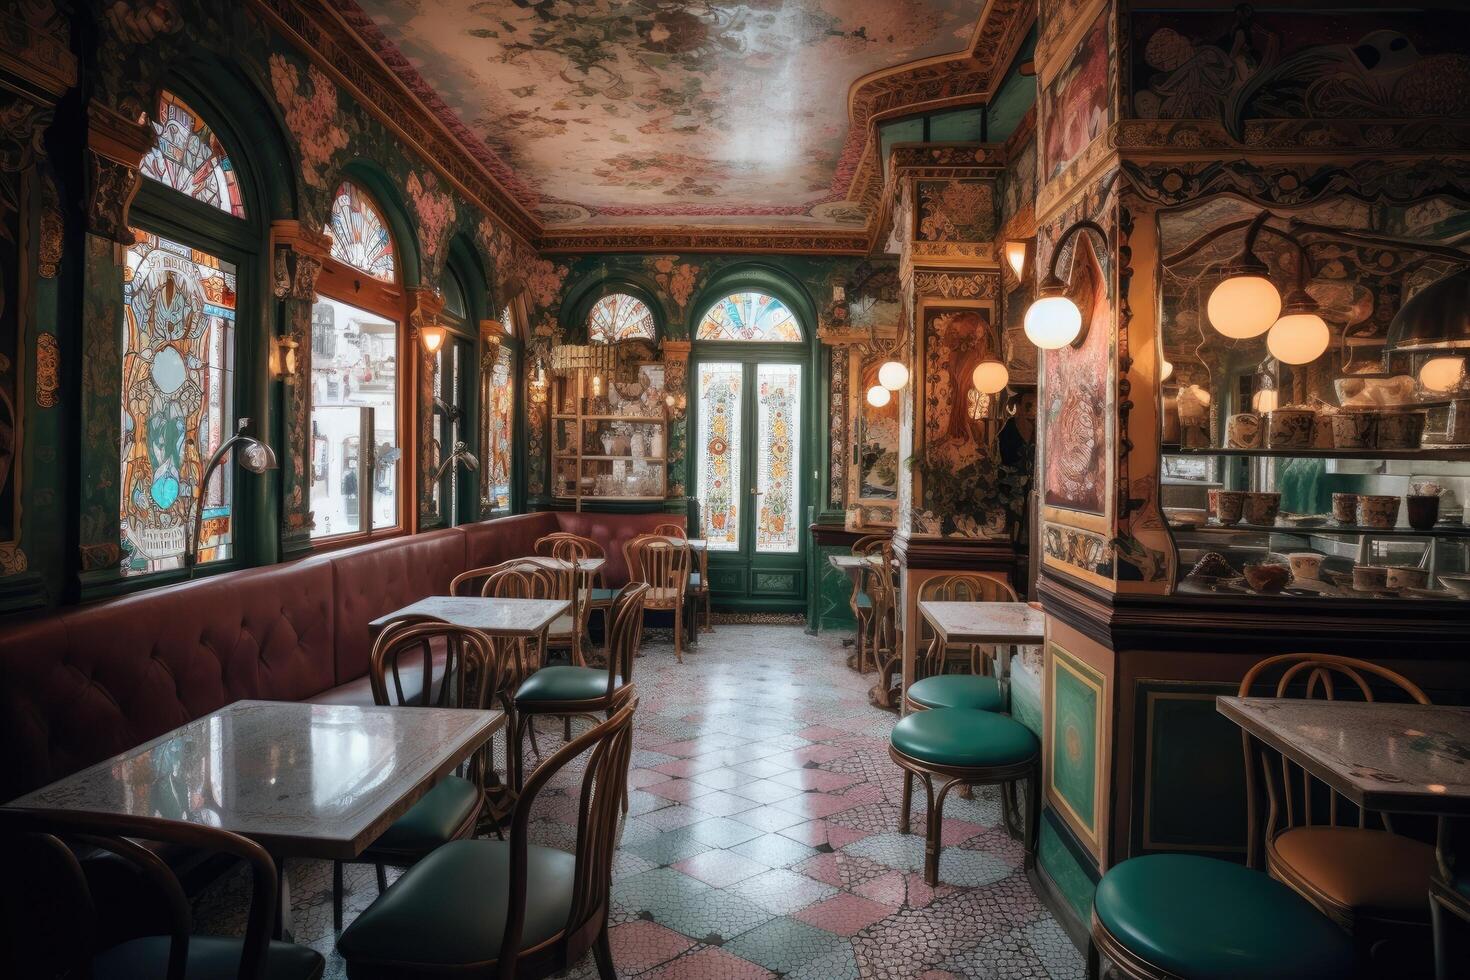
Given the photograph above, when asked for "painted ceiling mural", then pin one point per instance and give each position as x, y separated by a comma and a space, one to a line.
628, 112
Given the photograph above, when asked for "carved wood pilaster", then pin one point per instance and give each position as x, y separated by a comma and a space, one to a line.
115, 148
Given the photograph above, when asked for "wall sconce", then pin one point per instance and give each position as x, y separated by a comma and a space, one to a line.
1016, 252
1052, 320
1245, 304
283, 357
990, 376
878, 396
893, 375
432, 337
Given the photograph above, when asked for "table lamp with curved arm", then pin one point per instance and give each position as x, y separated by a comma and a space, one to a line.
254, 455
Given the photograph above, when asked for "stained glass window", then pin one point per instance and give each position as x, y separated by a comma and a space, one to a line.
360, 235
619, 317
778, 420
750, 316
177, 401
454, 303
506, 322
501, 395
718, 449
188, 157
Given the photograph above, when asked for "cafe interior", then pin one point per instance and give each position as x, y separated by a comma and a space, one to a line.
803, 489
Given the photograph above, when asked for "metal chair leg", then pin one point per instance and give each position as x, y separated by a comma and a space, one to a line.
908, 802
382, 878
337, 895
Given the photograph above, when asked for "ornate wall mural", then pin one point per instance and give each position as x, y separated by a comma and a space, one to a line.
1074, 412
1075, 107
614, 111
955, 210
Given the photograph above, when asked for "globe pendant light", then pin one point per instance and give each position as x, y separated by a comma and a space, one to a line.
1300, 336
1166, 370
1052, 320
893, 375
1245, 304
990, 376
878, 396
1442, 373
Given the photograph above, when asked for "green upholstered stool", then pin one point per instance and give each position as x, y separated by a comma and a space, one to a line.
974, 691
1180, 915
965, 747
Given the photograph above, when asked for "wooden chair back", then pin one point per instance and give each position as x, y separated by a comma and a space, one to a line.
608, 748
661, 563
869, 544
626, 633
49, 926
473, 581
671, 530
574, 548
877, 582
1293, 797
957, 587
468, 678
545, 543
519, 579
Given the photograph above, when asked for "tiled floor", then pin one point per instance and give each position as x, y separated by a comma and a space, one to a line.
762, 839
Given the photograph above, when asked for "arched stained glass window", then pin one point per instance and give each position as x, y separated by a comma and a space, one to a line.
750, 316
360, 235
507, 323
620, 317
189, 157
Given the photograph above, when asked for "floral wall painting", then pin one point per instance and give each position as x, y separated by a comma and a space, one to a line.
1245, 64
956, 340
1075, 106
955, 211
1075, 397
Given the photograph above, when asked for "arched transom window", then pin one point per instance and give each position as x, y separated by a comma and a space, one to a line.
619, 317
189, 158
750, 316
360, 235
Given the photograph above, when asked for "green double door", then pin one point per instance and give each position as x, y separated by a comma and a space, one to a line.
747, 456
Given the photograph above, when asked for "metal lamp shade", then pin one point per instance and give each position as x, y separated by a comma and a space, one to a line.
1436, 318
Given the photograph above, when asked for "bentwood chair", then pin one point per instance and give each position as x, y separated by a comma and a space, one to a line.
451, 809
881, 584
697, 591
964, 747
593, 596
576, 690
861, 602
49, 917
1348, 863
664, 565
933, 686
487, 908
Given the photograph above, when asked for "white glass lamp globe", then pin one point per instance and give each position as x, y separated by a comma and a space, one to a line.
893, 375
878, 396
1053, 322
1015, 252
1298, 338
990, 377
1166, 370
1242, 307
1442, 373
1265, 400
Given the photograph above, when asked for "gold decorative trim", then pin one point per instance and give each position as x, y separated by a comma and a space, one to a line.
48, 370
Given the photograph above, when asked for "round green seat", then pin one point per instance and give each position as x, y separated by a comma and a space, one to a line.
563, 683
964, 737
958, 691
1209, 919
432, 821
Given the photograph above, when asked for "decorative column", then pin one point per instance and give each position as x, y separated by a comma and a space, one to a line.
676, 383
297, 254
425, 305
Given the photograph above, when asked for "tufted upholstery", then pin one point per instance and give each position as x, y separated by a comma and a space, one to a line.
83, 683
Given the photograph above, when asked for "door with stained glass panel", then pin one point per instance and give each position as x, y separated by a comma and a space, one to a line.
747, 452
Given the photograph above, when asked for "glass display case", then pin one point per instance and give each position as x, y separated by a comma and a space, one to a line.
609, 439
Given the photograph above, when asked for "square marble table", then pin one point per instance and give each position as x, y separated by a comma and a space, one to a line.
491, 616
589, 566
1005, 624
1397, 758
300, 779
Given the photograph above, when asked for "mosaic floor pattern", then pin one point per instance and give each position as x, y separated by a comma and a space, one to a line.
762, 838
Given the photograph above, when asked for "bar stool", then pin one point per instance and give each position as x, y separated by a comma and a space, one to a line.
960, 746
1167, 916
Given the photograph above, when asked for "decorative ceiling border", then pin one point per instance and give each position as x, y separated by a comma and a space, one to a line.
345, 40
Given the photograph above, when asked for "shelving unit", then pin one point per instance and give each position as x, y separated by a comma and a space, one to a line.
1453, 454
577, 472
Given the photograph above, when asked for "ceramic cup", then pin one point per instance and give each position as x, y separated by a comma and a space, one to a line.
1261, 507
1305, 565
1406, 577
1400, 430
1353, 430
1289, 428
1229, 506
1423, 510
1345, 508
1377, 511
1370, 578
1243, 431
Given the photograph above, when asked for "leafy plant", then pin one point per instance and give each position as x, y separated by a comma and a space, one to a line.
976, 490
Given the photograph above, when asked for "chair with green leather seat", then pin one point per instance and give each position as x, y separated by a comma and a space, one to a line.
49, 920
962, 746
1172, 916
573, 690
451, 809
934, 686
488, 908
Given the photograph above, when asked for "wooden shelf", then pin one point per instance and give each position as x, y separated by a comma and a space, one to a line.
649, 419
631, 459
1447, 531
570, 389
1436, 453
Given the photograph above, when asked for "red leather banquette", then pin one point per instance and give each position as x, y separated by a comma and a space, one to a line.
85, 682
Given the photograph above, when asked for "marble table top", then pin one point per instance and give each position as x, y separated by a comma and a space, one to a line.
588, 565
984, 622
847, 563
1403, 758
302, 780
495, 617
